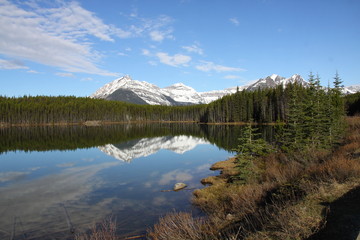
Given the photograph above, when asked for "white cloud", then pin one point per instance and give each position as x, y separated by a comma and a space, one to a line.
65, 74
71, 20
55, 36
62, 34
176, 60
194, 48
157, 36
235, 21
210, 66
157, 29
12, 64
33, 71
232, 77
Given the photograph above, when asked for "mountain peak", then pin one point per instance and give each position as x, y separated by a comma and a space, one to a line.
123, 79
179, 85
274, 76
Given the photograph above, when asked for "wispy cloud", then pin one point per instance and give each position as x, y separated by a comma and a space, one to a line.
175, 61
33, 71
56, 36
12, 64
157, 29
235, 21
232, 77
194, 49
63, 74
87, 79
62, 35
210, 66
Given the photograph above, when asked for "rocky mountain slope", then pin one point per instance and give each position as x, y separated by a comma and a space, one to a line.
140, 92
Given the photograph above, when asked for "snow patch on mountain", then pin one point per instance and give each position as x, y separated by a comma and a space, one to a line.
183, 94
211, 96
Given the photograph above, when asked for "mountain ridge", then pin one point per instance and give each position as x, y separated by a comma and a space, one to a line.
141, 92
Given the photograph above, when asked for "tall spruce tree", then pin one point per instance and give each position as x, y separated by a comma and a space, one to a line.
251, 145
338, 113
310, 116
295, 117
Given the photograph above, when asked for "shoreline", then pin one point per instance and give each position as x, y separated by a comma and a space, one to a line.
92, 123
97, 123
290, 200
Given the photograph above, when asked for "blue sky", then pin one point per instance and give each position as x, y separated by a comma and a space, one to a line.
61, 47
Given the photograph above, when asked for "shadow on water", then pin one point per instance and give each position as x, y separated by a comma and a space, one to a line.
343, 221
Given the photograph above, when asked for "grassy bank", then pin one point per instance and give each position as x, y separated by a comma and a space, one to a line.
289, 196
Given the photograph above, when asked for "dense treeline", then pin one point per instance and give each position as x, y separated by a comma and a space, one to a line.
43, 110
272, 104
262, 106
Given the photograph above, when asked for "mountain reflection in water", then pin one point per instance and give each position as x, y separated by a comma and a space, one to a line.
53, 179
147, 146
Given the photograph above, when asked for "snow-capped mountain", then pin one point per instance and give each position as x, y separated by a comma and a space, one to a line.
147, 146
127, 89
134, 91
211, 96
183, 94
276, 80
351, 89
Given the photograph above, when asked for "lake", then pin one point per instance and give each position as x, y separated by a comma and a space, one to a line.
54, 180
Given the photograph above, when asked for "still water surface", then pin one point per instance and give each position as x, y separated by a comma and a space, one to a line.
56, 179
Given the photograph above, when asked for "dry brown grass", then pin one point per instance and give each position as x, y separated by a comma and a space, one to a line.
182, 225
106, 230
227, 167
285, 202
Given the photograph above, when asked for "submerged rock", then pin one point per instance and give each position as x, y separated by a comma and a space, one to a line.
179, 186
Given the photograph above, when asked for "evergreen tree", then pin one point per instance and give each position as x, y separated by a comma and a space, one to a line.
338, 110
251, 145
295, 116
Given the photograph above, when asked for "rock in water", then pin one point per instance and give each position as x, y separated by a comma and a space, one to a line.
179, 186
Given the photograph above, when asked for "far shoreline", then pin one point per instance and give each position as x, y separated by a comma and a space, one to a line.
97, 123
